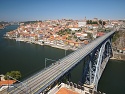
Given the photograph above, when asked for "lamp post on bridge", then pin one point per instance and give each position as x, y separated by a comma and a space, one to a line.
65, 52
48, 59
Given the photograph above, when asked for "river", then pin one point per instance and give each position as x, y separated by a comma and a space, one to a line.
113, 78
29, 58
25, 57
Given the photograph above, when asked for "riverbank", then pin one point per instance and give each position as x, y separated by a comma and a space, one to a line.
2, 27
26, 57
118, 56
59, 46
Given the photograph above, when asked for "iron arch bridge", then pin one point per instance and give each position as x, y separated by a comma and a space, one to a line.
96, 54
95, 63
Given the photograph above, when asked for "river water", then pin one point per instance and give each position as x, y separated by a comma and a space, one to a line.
25, 57
30, 58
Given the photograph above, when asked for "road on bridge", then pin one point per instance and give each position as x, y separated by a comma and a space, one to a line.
44, 78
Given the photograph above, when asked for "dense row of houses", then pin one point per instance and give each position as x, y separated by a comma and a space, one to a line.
46, 32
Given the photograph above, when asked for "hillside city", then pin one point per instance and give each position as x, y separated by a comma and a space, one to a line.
67, 34
64, 33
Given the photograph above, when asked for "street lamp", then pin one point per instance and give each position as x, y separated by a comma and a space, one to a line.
48, 59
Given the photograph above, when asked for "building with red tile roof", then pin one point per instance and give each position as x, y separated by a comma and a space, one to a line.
7, 82
99, 34
66, 91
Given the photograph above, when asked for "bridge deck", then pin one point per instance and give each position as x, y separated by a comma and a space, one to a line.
44, 78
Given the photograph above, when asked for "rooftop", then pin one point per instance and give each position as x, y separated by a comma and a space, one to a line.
7, 82
66, 91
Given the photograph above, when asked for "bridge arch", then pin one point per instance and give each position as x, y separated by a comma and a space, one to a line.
94, 67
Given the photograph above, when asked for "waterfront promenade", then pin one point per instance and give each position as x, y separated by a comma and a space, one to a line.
64, 47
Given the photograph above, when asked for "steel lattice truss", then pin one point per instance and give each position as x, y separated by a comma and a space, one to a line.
95, 63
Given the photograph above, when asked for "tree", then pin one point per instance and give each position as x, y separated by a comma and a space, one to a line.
115, 36
87, 22
65, 31
90, 36
95, 22
90, 22
14, 74
100, 22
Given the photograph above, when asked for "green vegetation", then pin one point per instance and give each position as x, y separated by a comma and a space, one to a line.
91, 22
30, 22
100, 22
95, 22
13, 74
79, 30
69, 37
118, 40
105, 30
64, 32
90, 36
115, 36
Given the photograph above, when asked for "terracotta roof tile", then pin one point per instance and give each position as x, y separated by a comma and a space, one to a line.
6, 82
66, 91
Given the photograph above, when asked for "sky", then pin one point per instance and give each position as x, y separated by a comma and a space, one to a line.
29, 10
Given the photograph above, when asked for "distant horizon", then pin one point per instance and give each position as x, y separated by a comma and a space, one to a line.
32, 10
60, 19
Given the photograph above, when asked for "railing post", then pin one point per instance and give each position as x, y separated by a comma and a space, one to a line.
45, 62
65, 52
